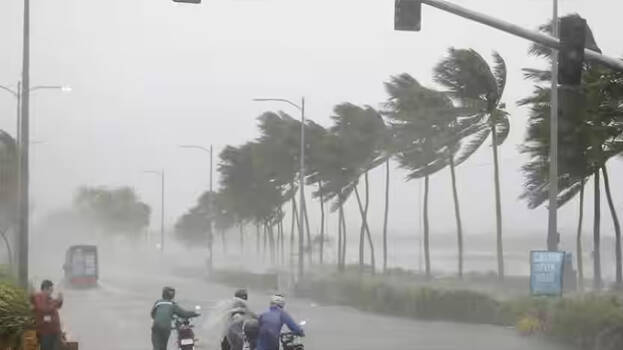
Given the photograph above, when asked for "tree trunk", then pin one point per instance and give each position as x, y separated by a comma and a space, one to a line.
596, 235
498, 204
309, 241
271, 243
294, 221
241, 239
282, 236
385, 217
457, 215
339, 240
343, 226
211, 257
366, 228
224, 241
426, 232
344, 240
265, 246
258, 239
362, 232
321, 222
578, 241
617, 230
369, 234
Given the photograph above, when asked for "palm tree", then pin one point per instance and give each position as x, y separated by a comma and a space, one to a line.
590, 136
469, 78
316, 164
251, 183
420, 120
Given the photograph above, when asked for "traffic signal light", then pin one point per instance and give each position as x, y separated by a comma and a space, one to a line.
408, 15
571, 53
189, 1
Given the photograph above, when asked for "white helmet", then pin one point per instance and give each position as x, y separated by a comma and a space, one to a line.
278, 300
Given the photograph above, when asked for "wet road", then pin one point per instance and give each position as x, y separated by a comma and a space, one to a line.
116, 316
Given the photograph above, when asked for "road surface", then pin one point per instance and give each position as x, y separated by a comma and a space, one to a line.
116, 316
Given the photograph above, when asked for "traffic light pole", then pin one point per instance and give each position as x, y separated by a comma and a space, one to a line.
552, 227
535, 36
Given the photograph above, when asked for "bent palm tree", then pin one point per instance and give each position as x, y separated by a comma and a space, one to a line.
474, 84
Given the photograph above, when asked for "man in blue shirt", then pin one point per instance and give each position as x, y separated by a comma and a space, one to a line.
271, 323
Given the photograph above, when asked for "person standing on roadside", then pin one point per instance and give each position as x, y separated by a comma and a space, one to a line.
47, 319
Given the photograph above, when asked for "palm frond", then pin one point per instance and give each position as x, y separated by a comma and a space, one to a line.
471, 144
499, 72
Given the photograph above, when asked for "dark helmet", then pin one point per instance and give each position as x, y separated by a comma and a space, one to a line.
242, 294
168, 293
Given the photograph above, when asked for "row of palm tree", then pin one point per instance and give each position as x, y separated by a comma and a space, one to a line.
424, 130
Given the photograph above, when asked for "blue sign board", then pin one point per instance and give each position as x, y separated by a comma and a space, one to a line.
546, 271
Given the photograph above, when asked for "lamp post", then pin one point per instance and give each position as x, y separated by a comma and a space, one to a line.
301, 108
22, 134
161, 174
208, 150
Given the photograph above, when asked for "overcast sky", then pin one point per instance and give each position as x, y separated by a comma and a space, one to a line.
148, 75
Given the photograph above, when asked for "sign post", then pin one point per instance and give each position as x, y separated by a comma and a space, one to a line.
546, 272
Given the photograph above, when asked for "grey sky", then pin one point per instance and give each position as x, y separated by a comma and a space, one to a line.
148, 75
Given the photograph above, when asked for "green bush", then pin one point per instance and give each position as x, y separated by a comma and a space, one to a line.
574, 320
373, 294
15, 313
580, 320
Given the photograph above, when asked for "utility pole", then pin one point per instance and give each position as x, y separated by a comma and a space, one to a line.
301, 108
208, 150
161, 174
302, 189
552, 232
23, 158
162, 212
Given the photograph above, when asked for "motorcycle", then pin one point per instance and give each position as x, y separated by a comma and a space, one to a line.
185, 335
291, 341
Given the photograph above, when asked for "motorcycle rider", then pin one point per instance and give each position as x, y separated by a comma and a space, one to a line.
233, 338
271, 323
162, 314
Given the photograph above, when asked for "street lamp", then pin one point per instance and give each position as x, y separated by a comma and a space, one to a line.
17, 93
301, 108
161, 174
210, 150
22, 135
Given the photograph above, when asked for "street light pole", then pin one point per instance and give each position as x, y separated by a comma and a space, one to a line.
23, 159
161, 174
22, 94
211, 151
552, 232
162, 212
301, 108
302, 189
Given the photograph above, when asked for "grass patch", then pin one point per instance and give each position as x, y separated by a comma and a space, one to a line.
575, 320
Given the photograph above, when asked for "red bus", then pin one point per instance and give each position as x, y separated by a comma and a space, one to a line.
81, 269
